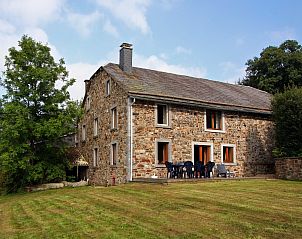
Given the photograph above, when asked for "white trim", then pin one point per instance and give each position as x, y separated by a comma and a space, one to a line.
214, 130
234, 153
168, 116
113, 119
107, 87
95, 126
204, 144
111, 153
83, 133
95, 154
169, 151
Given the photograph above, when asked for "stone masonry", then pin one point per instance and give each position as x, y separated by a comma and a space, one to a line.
289, 168
100, 107
251, 134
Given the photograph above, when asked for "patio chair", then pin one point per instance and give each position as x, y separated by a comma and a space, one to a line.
189, 169
221, 170
170, 170
209, 169
199, 170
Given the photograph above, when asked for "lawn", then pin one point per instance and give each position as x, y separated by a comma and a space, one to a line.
225, 209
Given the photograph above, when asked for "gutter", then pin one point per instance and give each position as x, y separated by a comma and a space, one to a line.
131, 101
201, 104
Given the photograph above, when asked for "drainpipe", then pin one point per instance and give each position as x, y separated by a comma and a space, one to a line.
131, 101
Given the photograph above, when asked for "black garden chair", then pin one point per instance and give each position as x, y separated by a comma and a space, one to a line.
189, 169
170, 170
199, 170
209, 169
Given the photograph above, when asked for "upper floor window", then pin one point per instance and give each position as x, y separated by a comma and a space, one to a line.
88, 102
228, 154
107, 87
83, 132
95, 126
214, 120
114, 118
162, 115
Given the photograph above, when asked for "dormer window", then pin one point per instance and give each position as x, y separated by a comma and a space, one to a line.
162, 115
214, 120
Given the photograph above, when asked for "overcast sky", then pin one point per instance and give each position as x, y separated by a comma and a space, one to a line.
204, 38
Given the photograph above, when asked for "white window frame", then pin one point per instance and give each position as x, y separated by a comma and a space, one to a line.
222, 122
234, 153
168, 115
83, 132
114, 119
204, 144
95, 156
111, 153
95, 126
107, 87
169, 150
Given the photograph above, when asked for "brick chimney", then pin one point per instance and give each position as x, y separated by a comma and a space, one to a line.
126, 57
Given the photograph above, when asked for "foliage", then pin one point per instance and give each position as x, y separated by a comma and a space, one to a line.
36, 112
287, 114
277, 68
224, 209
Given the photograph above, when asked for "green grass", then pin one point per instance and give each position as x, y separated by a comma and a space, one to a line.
225, 209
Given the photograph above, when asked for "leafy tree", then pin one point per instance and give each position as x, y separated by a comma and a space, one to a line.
36, 112
287, 114
277, 68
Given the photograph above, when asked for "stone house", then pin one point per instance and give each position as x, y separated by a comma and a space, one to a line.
137, 119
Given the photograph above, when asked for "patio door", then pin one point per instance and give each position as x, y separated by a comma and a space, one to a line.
202, 153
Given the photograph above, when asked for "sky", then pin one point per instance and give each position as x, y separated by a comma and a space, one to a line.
211, 39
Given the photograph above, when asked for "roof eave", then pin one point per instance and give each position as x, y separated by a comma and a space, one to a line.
195, 103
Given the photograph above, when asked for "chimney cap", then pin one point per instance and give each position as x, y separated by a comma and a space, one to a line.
126, 45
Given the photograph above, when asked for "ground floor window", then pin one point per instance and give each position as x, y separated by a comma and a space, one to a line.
228, 154
95, 157
202, 153
162, 152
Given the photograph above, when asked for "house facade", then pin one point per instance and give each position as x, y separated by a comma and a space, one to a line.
137, 119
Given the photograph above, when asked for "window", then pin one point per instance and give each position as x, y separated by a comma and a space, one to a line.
95, 157
113, 153
203, 152
163, 154
214, 120
95, 127
107, 87
114, 118
162, 115
83, 132
228, 154
88, 103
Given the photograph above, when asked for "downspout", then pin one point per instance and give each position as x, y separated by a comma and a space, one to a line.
131, 101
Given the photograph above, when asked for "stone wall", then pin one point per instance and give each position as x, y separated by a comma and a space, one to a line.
251, 134
289, 168
100, 107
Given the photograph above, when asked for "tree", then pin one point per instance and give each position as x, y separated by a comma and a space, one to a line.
35, 114
277, 68
287, 114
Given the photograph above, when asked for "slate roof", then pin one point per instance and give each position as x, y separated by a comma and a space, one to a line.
168, 87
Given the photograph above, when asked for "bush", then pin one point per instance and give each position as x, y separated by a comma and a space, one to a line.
287, 114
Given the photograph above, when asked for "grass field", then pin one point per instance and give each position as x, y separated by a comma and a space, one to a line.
226, 209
